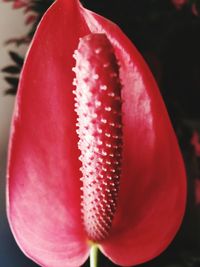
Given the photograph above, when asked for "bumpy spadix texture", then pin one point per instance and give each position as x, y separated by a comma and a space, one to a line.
98, 106
44, 196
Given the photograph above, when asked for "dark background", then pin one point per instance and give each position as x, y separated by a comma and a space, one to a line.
168, 36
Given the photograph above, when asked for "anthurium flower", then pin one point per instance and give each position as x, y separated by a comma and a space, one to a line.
95, 163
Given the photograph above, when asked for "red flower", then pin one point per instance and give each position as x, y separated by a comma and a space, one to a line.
196, 144
27, 5
179, 3
44, 196
195, 10
18, 3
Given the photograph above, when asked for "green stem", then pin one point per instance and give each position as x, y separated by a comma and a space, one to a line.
94, 256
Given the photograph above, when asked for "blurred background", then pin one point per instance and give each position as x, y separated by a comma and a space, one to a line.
167, 33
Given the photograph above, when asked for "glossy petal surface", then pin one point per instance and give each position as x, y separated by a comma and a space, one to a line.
44, 177
153, 185
44, 187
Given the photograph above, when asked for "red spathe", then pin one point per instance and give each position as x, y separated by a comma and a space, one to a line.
43, 173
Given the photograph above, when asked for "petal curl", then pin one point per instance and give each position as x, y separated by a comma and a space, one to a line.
44, 177
153, 183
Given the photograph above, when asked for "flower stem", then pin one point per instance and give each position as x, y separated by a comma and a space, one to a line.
94, 256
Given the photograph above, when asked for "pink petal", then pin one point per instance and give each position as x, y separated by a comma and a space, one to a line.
153, 185
44, 177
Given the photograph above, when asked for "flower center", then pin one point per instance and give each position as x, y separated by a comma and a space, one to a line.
98, 106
